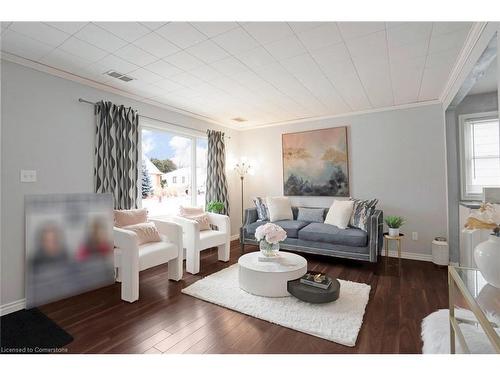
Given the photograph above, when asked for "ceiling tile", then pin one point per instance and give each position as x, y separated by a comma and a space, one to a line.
65, 61
376, 79
229, 66
331, 54
205, 72
186, 79
352, 30
410, 51
182, 34
135, 55
153, 25
100, 38
304, 26
41, 32
320, 36
145, 75
235, 41
68, 27
23, 46
256, 57
183, 60
113, 62
212, 29
207, 51
156, 45
370, 46
129, 31
168, 85
83, 49
409, 33
285, 48
448, 27
266, 32
443, 42
433, 83
447, 58
163, 68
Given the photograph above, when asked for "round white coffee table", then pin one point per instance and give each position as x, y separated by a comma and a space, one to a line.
269, 279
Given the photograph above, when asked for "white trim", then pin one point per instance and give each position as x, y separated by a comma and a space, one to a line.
472, 38
346, 114
12, 307
462, 152
100, 86
235, 237
409, 255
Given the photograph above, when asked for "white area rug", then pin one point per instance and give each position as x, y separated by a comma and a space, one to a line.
338, 321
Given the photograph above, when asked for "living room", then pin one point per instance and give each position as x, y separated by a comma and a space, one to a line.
232, 185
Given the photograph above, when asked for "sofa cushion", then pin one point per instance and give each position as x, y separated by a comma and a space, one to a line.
313, 215
320, 232
291, 227
252, 227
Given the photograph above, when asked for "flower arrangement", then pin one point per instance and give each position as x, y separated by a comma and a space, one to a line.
270, 235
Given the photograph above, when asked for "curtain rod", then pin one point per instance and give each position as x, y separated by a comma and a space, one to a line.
155, 119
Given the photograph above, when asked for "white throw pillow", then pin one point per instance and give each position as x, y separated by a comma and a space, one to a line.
279, 208
340, 213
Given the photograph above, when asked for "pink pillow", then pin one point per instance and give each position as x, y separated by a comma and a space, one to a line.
197, 214
146, 232
130, 217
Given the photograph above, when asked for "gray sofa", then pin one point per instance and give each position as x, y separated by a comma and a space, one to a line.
320, 238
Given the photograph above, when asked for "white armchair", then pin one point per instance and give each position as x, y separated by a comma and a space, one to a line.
131, 258
196, 241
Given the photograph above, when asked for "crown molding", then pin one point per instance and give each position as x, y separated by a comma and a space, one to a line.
100, 86
472, 39
346, 114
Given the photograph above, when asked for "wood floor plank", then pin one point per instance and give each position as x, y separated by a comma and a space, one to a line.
165, 320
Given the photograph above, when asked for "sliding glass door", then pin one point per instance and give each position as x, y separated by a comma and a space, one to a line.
173, 171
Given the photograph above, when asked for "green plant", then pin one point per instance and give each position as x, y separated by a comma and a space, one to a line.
215, 206
394, 221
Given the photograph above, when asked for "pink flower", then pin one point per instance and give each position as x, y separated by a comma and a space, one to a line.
271, 233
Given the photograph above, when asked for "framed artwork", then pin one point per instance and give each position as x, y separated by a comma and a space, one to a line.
316, 163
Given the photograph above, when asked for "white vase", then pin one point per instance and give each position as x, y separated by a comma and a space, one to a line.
394, 232
487, 257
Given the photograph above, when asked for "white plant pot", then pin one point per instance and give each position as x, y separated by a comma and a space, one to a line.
394, 232
487, 257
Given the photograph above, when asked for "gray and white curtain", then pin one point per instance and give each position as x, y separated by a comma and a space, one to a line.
216, 170
116, 153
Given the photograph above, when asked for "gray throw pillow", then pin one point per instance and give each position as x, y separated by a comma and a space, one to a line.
361, 213
313, 215
262, 212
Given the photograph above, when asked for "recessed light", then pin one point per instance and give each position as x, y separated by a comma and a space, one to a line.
239, 119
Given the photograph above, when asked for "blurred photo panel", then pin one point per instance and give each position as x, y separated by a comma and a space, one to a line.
69, 245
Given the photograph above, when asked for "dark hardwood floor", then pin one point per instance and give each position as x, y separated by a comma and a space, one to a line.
165, 320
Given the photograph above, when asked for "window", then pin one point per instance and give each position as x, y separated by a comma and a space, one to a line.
480, 153
168, 176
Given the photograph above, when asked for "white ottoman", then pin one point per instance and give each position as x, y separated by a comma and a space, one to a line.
269, 279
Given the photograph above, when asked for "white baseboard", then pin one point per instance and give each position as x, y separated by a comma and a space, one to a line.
408, 255
235, 237
12, 307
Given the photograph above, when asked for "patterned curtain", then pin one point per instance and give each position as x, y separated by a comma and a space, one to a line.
116, 153
216, 170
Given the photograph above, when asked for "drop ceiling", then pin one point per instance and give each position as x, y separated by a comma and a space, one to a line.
263, 72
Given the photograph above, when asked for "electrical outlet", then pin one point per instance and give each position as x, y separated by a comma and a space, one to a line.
28, 175
414, 236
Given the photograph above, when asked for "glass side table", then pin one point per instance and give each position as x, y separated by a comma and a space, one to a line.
468, 289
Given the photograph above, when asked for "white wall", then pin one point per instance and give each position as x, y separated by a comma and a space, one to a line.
44, 127
396, 156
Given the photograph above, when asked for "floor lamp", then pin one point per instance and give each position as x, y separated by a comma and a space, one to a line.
242, 169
